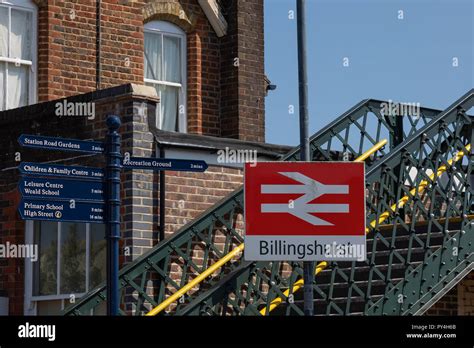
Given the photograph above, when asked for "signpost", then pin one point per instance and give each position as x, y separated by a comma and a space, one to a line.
158, 164
305, 211
51, 210
54, 192
56, 170
59, 189
52, 143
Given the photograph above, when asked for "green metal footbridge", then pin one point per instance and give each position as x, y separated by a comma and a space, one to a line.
420, 231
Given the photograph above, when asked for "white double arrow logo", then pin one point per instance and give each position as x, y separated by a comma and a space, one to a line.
301, 208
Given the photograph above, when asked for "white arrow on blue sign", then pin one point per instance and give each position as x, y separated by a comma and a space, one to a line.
61, 189
158, 164
77, 172
52, 143
51, 210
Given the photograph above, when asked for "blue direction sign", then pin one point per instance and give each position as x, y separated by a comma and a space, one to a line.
40, 169
61, 211
52, 143
158, 164
61, 189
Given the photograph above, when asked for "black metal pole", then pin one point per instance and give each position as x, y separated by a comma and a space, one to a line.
113, 158
308, 266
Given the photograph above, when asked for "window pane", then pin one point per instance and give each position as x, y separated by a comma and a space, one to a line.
98, 254
73, 258
45, 269
169, 107
153, 56
20, 39
2, 86
3, 31
172, 59
17, 86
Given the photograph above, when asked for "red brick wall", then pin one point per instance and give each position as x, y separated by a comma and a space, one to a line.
458, 301
466, 295
223, 100
447, 305
11, 269
67, 46
203, 74
189, 194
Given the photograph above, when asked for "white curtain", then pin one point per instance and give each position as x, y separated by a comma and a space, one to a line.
3, 31
169, 107
16, 80
17, 86
20, 35
163, 63
2, 86
171, 59
153, 56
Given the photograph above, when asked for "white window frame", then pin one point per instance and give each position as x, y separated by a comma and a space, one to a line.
31, 300
169, 29
24, 5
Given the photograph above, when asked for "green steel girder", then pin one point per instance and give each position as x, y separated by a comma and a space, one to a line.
354, 132
428, 282
426, 149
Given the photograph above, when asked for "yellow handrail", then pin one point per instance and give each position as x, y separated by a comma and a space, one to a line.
238, 250
195, 281
400, 204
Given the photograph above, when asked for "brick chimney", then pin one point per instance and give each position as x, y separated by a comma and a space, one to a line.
242, 65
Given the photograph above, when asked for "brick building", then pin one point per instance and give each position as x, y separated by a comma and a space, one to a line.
187, 79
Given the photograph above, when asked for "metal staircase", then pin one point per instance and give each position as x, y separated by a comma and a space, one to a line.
419, 201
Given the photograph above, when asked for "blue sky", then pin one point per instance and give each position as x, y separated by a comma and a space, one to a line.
406, 60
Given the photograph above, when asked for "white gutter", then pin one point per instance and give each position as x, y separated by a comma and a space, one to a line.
214, 15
